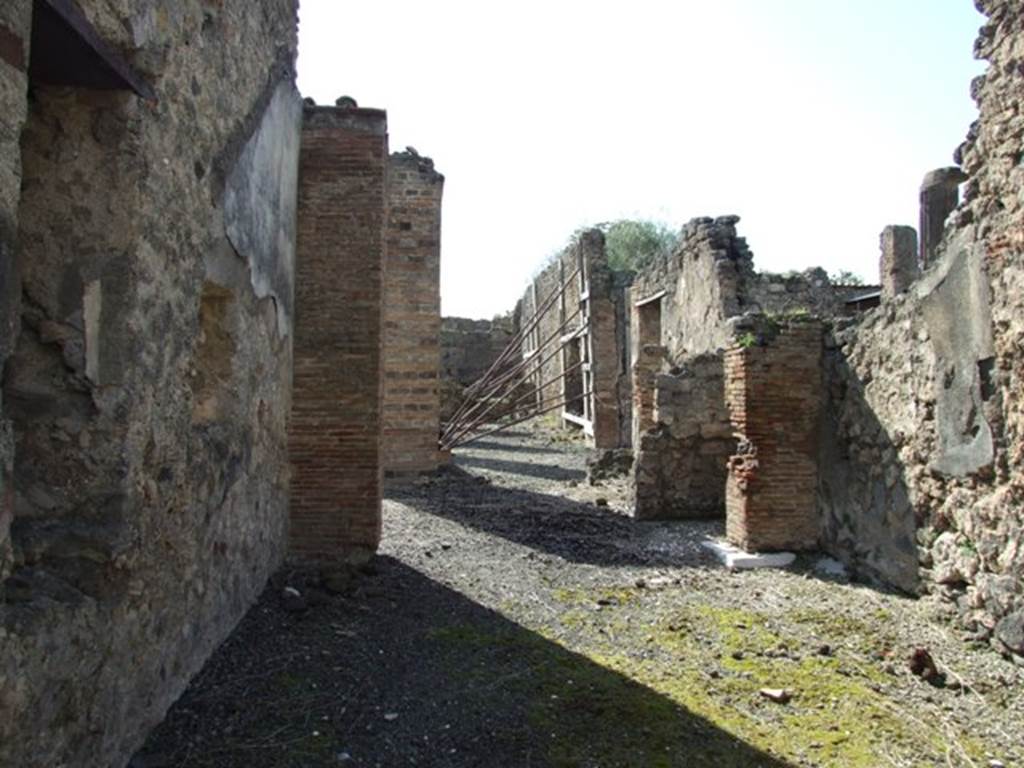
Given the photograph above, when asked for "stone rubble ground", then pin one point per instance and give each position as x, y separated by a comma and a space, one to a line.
511, 620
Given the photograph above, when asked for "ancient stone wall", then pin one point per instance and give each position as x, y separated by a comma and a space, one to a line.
699, 298
804, 293
710, 278
702, 281
15, 29
680, 306
148, 386
773, 393
993, 214
412, 316
335, 426
680, 459
468, 349
925, 488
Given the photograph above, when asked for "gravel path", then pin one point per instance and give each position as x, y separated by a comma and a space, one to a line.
516, 616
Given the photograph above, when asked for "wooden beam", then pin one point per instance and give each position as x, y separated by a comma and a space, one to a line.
67, 50
649, 299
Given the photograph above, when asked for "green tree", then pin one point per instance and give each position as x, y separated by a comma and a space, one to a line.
634, 243
629, 243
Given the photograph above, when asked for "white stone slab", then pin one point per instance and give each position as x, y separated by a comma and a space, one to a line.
734, 557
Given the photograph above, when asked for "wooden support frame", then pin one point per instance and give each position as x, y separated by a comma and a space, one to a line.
584, 338
523, 382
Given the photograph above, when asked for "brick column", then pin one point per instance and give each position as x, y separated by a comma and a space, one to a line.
898, 267
605, 343
645, 372
774, 393
412, 316
940, 194
335, 428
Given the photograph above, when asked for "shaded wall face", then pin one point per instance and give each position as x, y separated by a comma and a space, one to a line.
15, 29
412, 316
935, 375
681, 457
335, 431
867, 463
148, 385
468, 349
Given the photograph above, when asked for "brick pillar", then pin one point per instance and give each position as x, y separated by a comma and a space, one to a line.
897, 267
940, 194
645, 372
773, 393
334, 438
412, 316
606, 350
649, 357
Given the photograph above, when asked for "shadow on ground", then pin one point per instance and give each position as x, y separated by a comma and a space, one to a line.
508, 447
574, 531
531, 469
405, 671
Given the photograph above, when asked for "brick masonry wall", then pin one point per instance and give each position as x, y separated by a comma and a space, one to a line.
773, 393
412, 316
606, 344
645, 374
335, 429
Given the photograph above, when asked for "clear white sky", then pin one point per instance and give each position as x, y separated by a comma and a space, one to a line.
813, 120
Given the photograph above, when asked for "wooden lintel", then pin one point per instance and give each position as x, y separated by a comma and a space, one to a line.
67, 50
650, 299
